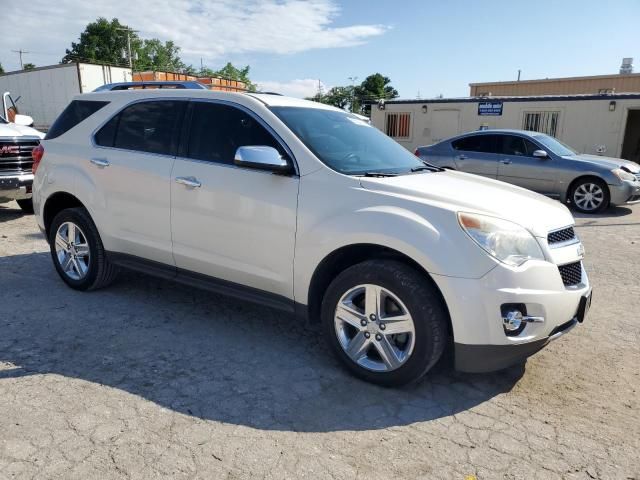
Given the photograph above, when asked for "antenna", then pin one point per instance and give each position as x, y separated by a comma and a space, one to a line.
20, 52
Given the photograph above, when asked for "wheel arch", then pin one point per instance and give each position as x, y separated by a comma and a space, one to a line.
346, 256
54, 204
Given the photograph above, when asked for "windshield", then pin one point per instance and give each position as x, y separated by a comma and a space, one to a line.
556, 146
346, 143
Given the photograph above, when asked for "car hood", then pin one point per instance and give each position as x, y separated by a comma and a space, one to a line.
606, 162
13, 130
460, 191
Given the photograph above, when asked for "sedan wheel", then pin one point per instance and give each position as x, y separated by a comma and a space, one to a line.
72, 250
374, 328
590, 196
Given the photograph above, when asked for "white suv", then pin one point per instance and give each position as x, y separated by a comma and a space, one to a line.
309, 209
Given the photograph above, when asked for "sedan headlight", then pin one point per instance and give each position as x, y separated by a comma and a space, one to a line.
623, 175
507, 241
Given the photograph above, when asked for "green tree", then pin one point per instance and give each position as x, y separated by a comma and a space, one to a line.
232, 72
102, 41
375, 87
154, 55
1, 69
28, 66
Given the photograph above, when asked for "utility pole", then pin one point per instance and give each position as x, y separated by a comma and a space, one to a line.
518, 74
353, 91
129, 31
20, 52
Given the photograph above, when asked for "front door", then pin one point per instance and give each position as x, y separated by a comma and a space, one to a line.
518, 166
235, 224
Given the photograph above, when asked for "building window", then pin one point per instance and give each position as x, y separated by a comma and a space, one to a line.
398, 125
543, 122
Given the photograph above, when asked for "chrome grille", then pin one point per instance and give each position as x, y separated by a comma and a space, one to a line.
563, 235
15, 155
571, 273
637, 176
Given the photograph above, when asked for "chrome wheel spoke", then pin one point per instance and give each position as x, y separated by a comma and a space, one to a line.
61, 243
71, 232
82, 249
398, 324
372, 300
357, 347
388, 353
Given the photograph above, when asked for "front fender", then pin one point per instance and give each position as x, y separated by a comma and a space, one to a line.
436, 242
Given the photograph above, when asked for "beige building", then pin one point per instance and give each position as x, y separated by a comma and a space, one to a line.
598, 84
596, 124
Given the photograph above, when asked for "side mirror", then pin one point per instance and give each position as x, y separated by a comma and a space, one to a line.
540, 154
261, 158
23, 120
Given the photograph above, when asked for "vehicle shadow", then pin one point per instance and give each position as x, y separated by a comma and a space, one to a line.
10, 211
208, 356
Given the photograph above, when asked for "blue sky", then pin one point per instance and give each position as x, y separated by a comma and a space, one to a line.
425, 47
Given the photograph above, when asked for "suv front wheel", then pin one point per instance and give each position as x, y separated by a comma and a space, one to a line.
77, 251
385, 321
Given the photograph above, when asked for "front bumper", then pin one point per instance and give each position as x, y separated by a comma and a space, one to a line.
627, 193
480, 341
15, 187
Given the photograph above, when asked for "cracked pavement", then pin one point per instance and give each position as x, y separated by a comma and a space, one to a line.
150, 379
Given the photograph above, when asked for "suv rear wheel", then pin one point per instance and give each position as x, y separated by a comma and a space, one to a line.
77, 251
385, 322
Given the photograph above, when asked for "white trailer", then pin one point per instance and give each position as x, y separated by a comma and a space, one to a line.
44, 92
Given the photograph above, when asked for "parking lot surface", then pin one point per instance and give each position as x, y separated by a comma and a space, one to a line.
149, 379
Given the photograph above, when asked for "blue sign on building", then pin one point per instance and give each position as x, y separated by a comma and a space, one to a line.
490, 108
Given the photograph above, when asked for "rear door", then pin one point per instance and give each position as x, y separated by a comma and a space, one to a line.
131, 168
477, 154
518, 166
228, 222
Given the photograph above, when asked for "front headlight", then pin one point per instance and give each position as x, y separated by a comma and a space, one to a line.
623, 175
507, 241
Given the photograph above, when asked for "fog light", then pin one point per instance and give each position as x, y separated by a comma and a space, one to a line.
512, 321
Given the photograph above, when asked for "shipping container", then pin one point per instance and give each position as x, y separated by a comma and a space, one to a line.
44, 92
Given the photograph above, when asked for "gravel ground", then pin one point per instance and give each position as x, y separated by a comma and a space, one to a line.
148, 379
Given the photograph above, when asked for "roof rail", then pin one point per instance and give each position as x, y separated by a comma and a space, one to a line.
110, 87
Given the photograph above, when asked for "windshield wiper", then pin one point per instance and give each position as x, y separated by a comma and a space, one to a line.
427, 166
379, 174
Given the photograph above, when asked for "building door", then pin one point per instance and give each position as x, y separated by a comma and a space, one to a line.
446, 123
631, 142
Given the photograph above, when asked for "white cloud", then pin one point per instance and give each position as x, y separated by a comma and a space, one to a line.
301, 88
211, 29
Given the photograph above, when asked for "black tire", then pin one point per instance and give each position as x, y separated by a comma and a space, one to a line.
423, 301
100, 271
26, 205
584, 183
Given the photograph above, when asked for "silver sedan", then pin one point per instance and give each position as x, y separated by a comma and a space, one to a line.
540, 163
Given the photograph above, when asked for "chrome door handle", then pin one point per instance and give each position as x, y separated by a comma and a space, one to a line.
462, 157
506, 162
188, 181
100, 162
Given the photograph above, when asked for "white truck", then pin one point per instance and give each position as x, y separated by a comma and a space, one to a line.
44, 92
17, 141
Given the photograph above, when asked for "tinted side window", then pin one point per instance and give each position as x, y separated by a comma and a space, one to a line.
476, 143
107, 134
76, 112
218, 130
149, 126
512, 145
530, 147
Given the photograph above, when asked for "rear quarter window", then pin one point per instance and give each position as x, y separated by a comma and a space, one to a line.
76, 112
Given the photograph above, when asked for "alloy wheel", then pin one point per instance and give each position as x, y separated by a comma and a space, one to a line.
588, 196
72, 251
374, 328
